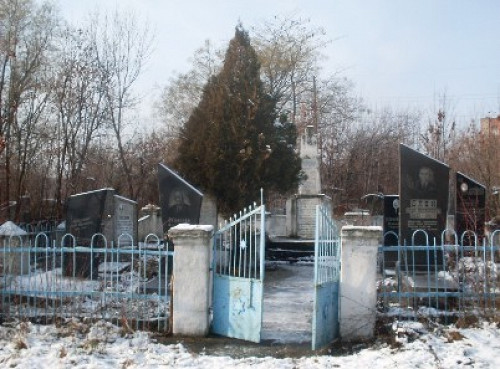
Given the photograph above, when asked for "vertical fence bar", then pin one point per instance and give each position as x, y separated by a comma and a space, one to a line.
262, 240
493, 248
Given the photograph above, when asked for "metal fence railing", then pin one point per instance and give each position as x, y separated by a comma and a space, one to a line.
239, 245
45, 279
458, 278
326, 249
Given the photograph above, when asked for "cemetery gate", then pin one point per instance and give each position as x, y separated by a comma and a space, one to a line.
325, 322
238, 266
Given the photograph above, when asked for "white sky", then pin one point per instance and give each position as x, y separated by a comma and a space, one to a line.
401, 53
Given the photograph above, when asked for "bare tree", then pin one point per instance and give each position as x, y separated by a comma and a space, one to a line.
289, 50
80, 107
440, 130
184, 91
476, 153
122, 49
26, 36
360, 154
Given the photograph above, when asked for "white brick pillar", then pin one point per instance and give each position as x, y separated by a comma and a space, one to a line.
191, 282
358, 283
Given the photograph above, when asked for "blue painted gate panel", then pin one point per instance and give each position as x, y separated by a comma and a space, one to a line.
237, 307
325, 327
325, 317
238, 268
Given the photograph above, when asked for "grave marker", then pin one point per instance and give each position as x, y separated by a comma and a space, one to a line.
180, 202
423, 190
100, 211
470, 208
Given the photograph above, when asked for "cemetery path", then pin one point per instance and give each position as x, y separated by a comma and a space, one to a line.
288, 303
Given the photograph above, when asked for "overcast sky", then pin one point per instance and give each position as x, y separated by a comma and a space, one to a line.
403, 53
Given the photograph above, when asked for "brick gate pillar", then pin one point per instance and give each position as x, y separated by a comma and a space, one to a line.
191, 279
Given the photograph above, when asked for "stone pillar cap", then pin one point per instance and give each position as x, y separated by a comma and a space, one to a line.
184, 229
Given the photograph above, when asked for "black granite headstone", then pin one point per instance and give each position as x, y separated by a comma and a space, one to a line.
391, 219
86, 213
424, 186
180, 202
100, 211
85, 216
423, 190
470, 209
391, 228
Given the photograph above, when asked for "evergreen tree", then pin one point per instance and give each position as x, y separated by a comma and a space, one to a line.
232, 145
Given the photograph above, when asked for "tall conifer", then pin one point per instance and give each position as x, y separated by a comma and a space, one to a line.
232, 144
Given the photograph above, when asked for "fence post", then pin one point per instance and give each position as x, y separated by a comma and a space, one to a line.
191, 279
358, 283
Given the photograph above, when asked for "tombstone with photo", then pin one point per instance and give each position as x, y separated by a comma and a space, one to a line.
423, 190
180, 202
470, 209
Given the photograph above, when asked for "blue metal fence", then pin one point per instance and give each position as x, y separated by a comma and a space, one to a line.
459, 277
43, 279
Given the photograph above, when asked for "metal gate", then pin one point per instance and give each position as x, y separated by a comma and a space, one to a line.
238, 266
325, 327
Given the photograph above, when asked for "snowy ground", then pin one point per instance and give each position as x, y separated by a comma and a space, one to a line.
102, 345
286, 335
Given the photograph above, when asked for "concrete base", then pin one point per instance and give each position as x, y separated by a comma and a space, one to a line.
301, 214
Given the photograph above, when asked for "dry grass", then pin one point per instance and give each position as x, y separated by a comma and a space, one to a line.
453, 336
20, 344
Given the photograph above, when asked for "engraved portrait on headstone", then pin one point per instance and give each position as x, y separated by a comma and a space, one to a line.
180, 202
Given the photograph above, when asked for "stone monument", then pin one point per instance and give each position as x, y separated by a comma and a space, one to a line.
301, 208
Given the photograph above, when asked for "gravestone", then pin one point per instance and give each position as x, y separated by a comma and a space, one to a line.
12, 236
100, 211
391, 228
423, 190
150, 223
470, 209
180, 202
391, 218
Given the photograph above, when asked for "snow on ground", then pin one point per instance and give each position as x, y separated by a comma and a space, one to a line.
102, 345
